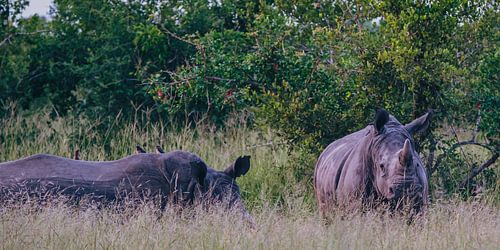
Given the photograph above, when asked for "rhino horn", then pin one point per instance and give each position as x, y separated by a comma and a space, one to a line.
405, 155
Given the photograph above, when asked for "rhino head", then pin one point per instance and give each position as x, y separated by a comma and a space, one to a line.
398, 172
206, 183
221, 185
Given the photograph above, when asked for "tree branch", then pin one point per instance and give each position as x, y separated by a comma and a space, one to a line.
253, 84
431, 156
475, 171
476, 129
196, 45
440, 158
7, 39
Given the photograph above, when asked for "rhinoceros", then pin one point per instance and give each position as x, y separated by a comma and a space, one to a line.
373, 166
180, 177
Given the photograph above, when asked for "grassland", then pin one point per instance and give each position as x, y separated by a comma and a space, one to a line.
447, 226
282, 205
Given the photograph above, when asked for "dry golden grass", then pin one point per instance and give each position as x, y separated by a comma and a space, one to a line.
456, 225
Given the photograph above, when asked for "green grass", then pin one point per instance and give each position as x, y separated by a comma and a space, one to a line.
282, 205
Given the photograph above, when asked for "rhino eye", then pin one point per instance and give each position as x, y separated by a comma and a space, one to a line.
382, 169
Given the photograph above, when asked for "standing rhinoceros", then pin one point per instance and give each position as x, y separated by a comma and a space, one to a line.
177, 176
377, 164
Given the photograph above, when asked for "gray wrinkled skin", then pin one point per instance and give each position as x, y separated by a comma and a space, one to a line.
376, 165
178, 176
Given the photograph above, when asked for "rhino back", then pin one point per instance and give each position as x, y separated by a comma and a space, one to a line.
44, 172
336, 168
50, 166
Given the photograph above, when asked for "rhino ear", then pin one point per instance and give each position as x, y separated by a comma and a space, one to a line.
420, 124
381, 118
239, 167
199, 171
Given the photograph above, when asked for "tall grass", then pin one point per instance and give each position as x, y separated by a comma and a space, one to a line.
450, 226
282, 206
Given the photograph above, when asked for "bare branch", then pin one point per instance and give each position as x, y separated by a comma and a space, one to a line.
475, 171
467, 160
430, 157
9, 37
476, 129
268, 144
31, 33
253, 84
198, 46
313, 70
172, 34
215, 78
440, 158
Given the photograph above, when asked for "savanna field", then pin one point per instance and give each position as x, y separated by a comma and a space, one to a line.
276, 80
283, 207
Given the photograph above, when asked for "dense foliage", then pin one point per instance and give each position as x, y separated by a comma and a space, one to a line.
311, 70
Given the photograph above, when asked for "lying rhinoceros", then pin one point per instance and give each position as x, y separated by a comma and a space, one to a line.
180, 177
